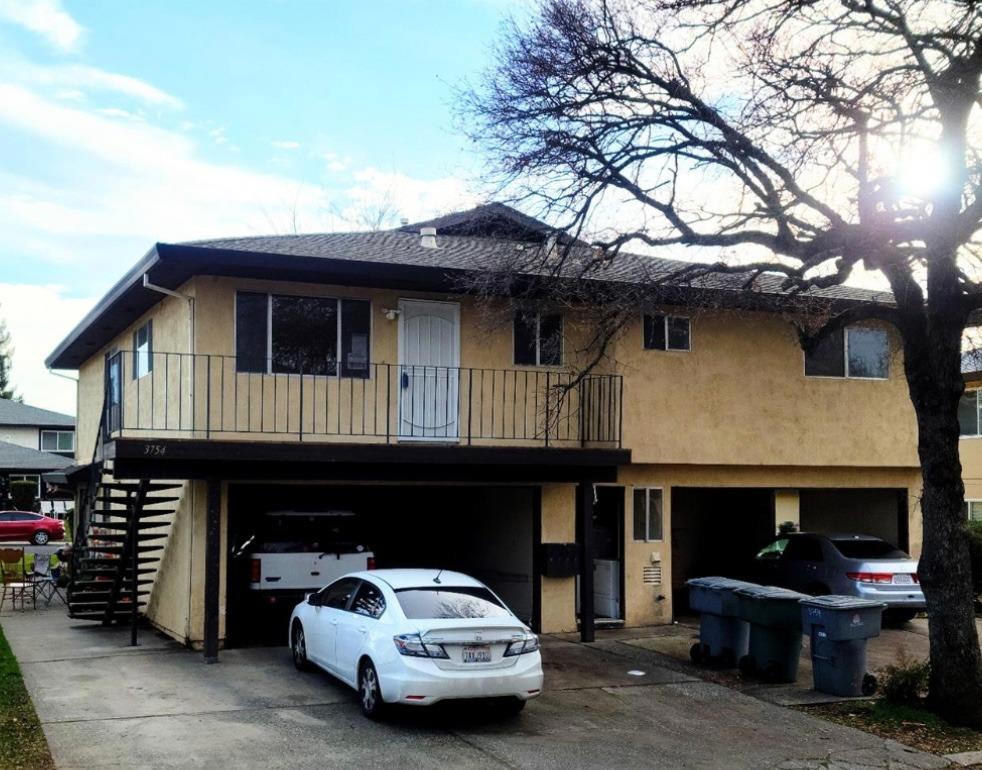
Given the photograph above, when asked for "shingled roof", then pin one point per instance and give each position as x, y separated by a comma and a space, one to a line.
487, 238
16, 413
20, 459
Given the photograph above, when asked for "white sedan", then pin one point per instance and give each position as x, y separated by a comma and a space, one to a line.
417, 636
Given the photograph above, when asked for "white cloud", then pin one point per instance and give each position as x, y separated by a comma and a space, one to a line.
412, 198
46, 18
285, 144
38, 318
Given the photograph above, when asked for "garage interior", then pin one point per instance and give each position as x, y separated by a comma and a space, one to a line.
488, 532
718, 531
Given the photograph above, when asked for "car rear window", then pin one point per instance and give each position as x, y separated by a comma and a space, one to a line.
449, 602
868, 549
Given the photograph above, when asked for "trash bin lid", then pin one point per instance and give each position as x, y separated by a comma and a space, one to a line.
834, 602
718, 583
770, 592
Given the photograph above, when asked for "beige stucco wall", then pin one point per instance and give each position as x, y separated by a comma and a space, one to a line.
558, 526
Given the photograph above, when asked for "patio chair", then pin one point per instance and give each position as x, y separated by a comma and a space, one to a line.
14, 582
45, 579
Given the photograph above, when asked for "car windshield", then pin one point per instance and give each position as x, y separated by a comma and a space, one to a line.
449, 602
868, 549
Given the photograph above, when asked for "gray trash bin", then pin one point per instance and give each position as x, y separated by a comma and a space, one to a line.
774, 615
723, 636
838, 627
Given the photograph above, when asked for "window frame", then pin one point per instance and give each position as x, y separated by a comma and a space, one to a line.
845, 359
968, 508
978, 418
268, 363
354, 597
647, 513
57, 434
538, 339
27, 477
665, 318
136, 373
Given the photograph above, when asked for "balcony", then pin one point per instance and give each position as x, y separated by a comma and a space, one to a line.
202, 396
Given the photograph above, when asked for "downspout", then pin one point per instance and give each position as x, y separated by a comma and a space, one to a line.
171, 293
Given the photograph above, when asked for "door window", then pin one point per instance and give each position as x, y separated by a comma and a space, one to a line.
338, 595
774, 550
368, 601
803, 549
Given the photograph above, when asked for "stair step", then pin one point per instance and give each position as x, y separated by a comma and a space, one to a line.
122, 526
122, 537
91, 573
119, 548
98, 585
89, 597
119, 614
126, 486
107, 561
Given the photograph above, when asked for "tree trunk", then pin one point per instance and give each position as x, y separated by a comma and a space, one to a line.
935, 380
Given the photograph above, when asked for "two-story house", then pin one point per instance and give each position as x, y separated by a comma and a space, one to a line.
34, 442
345, 372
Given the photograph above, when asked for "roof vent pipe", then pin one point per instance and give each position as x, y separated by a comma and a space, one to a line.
427, 237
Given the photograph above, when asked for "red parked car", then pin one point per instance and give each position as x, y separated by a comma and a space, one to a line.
24, 525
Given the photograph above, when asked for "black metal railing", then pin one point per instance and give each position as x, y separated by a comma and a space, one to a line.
215, 396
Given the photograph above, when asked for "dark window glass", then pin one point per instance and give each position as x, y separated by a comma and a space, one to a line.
338, 594
551, 339
968, 413
368, 601
640, 513
355, 331
6, 517
869, 352
251, 333
678, 333
305, 335
827, 358
803, 549
654, 515
868, 549
526, 327
654, 332
449, 602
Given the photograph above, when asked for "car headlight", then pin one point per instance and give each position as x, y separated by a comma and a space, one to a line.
413, 646
520, 646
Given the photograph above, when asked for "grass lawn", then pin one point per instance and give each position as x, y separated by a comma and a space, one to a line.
910, 725
22, 743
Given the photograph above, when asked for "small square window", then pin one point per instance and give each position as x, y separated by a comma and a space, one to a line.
974, 510
538, 339
666, 332
968, 413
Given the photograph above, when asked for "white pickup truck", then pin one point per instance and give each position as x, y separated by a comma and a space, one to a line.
303, 571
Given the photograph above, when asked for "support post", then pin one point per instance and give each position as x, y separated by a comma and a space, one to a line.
585, 510
213, 558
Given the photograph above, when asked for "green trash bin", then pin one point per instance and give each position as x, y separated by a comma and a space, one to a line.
838, 628
774, 616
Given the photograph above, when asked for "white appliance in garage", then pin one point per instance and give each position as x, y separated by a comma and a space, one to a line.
607, 588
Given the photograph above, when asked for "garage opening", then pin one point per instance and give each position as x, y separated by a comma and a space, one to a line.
717, 532
286, 540
878, 512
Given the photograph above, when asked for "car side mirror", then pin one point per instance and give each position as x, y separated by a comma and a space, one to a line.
313, 600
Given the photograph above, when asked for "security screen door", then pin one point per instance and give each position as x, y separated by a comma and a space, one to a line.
429, 360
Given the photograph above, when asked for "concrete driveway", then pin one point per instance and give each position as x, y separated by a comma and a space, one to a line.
103, 704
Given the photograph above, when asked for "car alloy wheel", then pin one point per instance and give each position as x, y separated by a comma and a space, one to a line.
41, 538
368, 689
300, 648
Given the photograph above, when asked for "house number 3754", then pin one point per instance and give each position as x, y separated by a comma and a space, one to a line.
154, 450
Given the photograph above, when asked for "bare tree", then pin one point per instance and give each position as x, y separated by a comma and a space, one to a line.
780, 135
7, 389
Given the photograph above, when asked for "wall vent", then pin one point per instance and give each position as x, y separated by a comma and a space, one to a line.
652, 575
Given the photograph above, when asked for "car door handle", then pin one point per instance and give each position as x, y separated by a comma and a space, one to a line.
334, 622
362, 629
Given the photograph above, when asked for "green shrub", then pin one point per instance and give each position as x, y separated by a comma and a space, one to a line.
23, 494
786, 528
975, 549
905, 681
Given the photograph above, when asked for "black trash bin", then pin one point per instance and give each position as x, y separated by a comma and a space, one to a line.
774, 615
838, 628
723, 636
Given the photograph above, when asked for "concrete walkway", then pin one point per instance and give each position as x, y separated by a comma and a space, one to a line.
105, 705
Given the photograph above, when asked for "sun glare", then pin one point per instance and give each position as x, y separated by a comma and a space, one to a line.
922, 171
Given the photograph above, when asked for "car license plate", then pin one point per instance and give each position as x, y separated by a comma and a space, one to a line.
903, 580
477, 654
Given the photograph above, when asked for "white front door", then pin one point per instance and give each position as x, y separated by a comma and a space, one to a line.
429, 360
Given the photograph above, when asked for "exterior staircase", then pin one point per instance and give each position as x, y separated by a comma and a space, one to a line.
120, 532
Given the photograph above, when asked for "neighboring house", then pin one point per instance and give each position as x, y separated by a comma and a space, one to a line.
341, 372
48, 441
970, 448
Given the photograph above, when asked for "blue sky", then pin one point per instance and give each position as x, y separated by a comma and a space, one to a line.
125, 123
